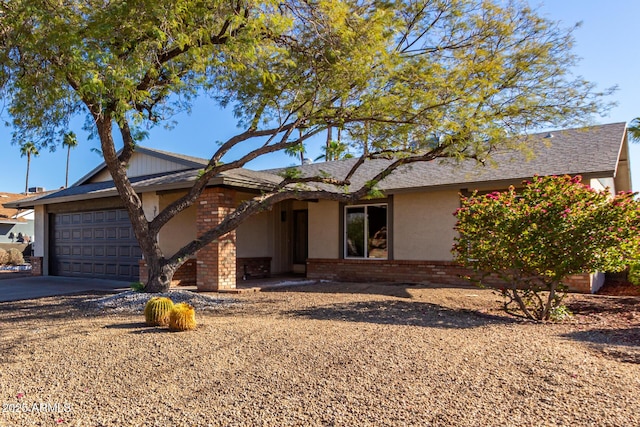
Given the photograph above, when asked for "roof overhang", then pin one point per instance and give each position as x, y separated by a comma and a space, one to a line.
111, 191
495, 184
12, 221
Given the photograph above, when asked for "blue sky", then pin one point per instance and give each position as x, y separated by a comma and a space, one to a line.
604, 42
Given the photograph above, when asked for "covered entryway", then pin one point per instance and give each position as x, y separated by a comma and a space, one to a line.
98, 244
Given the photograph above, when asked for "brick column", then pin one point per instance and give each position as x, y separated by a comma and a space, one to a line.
143, 271
36, 266
216, 262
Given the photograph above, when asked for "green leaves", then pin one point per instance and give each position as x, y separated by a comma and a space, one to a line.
390, 75
450, 78
291, 173
550, 229
634, 129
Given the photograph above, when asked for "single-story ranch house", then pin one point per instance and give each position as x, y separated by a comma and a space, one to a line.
404, 237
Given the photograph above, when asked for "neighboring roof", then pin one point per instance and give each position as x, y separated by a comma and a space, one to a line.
10, 215
189, 162
592, 152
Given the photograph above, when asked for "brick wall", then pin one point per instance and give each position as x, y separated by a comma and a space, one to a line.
352, 270
216, 262
580, 283
36, 265
143, 271
436, 272
184, 276
253, 268
256, 268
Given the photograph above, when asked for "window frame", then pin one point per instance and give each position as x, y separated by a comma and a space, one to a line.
343, 228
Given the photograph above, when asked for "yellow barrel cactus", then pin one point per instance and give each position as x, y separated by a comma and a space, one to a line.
182, 317
156, 312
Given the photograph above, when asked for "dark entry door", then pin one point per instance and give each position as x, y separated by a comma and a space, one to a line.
300, 237
98, 244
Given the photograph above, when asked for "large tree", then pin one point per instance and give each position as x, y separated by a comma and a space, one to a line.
408, 80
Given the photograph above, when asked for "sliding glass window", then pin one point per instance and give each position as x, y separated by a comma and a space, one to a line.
366, 231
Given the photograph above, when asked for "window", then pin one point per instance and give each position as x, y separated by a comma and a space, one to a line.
366, 231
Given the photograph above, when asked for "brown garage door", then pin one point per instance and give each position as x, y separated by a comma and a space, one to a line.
97, 244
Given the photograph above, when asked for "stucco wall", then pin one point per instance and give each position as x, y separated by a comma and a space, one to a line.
180, 230
253, 237
423, 225
324, 234
41, 238
623, 172
150, 204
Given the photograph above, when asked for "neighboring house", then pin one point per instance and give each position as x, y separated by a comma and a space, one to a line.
405, 237
16, 225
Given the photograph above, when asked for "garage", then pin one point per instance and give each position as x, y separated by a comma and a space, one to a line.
98, 244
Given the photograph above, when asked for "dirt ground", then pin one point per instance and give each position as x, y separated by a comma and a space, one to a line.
331, 354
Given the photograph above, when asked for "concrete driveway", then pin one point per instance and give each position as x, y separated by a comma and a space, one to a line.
16, 289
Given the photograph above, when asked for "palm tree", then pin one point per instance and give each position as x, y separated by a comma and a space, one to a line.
634, 129
28, 149
335, 150
70, 141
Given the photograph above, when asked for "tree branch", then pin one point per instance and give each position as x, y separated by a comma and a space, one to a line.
188, 199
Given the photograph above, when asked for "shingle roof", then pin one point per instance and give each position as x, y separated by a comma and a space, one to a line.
593, 152
195, 161
242, 178
587, 151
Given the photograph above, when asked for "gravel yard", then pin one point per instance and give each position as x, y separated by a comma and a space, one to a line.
331, 354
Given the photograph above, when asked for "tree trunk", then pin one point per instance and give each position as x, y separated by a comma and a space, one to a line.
522, 305
66, 176
26, 183
550, 300
160, 272
160, 276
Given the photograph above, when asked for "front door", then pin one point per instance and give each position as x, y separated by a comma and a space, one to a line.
300, 240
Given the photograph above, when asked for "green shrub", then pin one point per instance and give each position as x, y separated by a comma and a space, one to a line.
559, 313
15, 257
137, 286
634, 273
527, 242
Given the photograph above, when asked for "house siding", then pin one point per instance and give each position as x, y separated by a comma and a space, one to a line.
423, 225
142, 164
324, 226
254, 237
180, 230
623, 169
